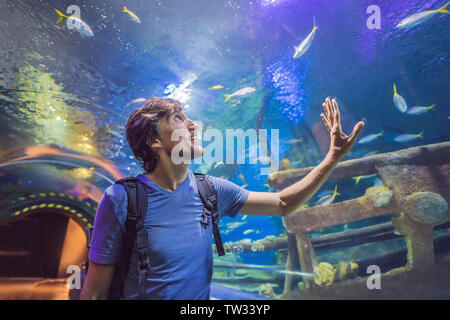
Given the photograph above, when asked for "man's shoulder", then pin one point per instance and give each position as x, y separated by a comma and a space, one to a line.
115, 191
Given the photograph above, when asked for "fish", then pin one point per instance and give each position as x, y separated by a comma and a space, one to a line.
250, 231
131, 15
244, 92
115, 134
293, 141
420, 17
215, 87
138, 100
370, 138
241, 176
244, 217
264, 159
364, 177
326, 200
399, 102
408, 137
78, 24
304, 46
217, 164
233, 225
324, 193
419, 110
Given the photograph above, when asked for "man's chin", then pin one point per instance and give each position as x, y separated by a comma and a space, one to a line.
197, 152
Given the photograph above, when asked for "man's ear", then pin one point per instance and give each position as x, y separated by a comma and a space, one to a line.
156, 145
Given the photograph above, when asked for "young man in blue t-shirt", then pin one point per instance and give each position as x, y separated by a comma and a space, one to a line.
180, 248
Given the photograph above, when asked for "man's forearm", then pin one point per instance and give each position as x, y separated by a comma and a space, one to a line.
301, 191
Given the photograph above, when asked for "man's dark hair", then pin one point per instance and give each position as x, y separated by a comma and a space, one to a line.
143, 127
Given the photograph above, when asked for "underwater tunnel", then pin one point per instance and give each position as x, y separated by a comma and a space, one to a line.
260, 67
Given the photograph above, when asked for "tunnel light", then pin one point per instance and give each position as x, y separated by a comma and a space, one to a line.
183, 92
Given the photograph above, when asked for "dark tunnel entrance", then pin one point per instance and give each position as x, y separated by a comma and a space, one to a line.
41, 244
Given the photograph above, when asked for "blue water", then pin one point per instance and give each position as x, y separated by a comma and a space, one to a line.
58, 87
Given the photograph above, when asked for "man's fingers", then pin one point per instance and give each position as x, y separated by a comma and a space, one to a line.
337, 114
356, 130
327, 118
325, 107
325, 121
330, 111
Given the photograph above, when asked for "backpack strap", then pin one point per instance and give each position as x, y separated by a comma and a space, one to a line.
134, 232
209, 199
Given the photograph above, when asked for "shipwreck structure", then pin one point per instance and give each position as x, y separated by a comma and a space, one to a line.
416, 192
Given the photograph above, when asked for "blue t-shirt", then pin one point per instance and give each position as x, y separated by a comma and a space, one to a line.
180, 247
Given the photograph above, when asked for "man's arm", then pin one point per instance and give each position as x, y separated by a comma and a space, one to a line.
98, 281
285, 201
288, 199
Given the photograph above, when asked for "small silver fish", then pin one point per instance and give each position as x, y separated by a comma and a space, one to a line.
264, 159
418, 110
418, 18
364, 177
399, 102
327, 199
304, 46
324, 193
244, 92
234, 225
249, 231
78, 24
408, 137
293, 141
131, 15
370, 138
138, 100
217, 87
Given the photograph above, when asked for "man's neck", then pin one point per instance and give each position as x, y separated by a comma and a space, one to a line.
167, 174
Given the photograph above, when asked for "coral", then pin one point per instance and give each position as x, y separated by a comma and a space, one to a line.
267, 290
324, 274
379, 195
346, 270
285, 164
426, 207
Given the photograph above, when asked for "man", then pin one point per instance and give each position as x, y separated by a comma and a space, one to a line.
180, 248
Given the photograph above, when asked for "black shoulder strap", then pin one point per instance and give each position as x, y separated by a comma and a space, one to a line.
209, 199
134, 231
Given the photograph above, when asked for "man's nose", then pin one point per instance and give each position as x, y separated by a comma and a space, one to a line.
191, 124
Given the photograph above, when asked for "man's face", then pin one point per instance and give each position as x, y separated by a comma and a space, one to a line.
178, 137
